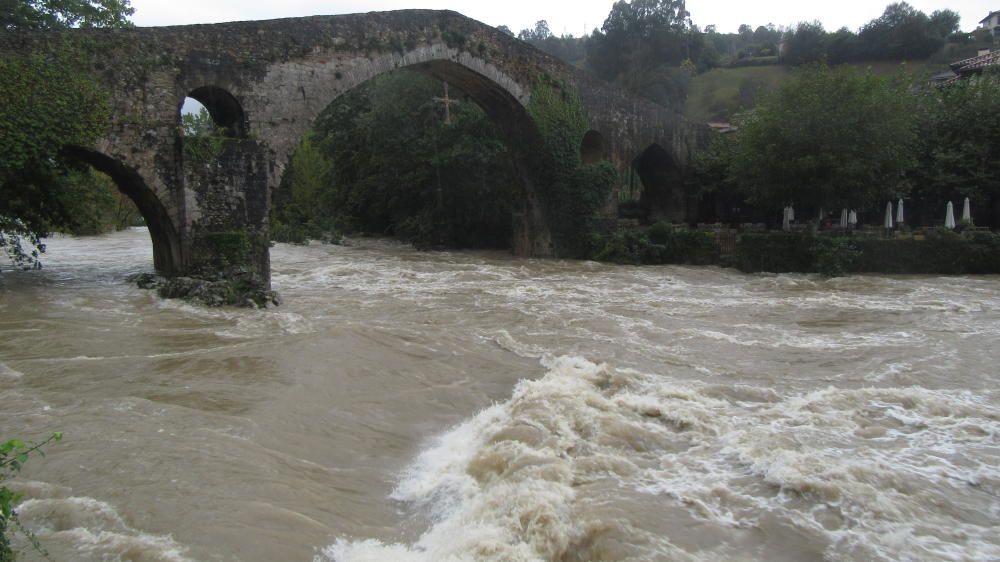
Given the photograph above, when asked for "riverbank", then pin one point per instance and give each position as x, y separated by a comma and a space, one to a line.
932, 251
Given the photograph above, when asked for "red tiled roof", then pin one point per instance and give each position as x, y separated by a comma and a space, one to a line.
976, 63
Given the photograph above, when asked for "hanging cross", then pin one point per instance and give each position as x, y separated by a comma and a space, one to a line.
447, 101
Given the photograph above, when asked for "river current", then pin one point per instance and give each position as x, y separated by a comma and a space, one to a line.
469, 406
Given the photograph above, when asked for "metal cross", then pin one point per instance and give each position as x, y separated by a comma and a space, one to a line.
447, 101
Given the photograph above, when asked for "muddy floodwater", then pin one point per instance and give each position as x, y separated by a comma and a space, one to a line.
468, 406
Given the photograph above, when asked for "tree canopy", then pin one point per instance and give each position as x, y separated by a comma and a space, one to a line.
960, 141
382, 160
828, 138
642, 46
50, 102
58, 14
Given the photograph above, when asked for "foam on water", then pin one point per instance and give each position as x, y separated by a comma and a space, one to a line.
880, 474
86, 529
8, 373
712, 434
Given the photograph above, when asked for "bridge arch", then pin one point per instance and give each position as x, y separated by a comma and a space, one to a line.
662, 185
498, 95
268, 81
226, 111
167, 253
309, 86
592, 148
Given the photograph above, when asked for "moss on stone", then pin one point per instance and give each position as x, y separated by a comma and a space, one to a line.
570, 192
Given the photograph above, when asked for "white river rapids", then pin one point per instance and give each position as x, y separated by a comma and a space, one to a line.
469, 406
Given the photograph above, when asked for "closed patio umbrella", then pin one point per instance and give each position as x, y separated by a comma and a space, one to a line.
888, 216
852, 219
949, 219
786, 219
899, 213
967, 211
843, 219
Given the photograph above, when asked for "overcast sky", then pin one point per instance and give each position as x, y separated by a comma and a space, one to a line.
564, 16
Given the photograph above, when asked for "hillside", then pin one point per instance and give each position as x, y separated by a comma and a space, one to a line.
719, 93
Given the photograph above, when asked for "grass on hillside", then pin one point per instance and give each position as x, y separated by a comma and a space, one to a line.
718, 94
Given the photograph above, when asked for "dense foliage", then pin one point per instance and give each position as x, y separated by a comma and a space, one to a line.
828, 138
383, 161
661, 244
647, 46
901, 33
653, 48
941, 252
570, 191
50, 102
959, 146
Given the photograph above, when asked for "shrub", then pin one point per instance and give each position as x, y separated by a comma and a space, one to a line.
942, 252
834, 257
659, 245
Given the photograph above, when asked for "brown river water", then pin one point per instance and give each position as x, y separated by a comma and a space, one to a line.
468, 406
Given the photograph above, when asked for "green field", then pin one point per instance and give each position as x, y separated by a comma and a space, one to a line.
719, 93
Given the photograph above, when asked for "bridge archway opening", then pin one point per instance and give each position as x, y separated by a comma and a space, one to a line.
662, 186
592, 147
457, 182
165, 238
224, 109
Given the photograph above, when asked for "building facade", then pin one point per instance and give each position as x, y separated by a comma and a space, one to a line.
992, 22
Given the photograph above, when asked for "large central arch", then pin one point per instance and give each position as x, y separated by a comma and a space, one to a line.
498, 94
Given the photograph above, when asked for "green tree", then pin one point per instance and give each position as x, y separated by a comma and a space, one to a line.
960, 142
903, 32
541, 32
828, 138
50, 102
382, 160
60, 14
642, 46
807, 44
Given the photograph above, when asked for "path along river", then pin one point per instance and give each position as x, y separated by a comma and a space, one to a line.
407, 406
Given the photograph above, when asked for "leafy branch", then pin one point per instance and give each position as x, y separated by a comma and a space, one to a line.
13, 454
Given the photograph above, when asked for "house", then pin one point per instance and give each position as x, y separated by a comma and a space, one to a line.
992, 22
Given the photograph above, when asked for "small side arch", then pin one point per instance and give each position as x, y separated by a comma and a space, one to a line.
167, 258
592, 148
662, 185
225, 109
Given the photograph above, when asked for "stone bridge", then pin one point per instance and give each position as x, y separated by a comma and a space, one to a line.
267, 81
